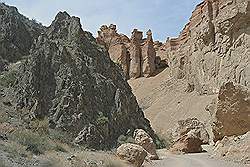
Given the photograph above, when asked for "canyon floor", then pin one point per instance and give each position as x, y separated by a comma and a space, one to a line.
190, 160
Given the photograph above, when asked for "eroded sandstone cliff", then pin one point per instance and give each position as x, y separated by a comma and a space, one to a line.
213, 48
137, 56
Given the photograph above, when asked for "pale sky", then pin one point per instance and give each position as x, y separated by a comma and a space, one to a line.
164, 17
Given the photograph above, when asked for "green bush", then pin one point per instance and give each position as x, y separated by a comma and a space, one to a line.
125, 139
8, 78
35, 143
102, 120
164, 141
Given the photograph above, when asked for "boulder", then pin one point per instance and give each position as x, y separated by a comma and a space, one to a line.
185, 126
132, 153
143, 139
231, 115
188, 143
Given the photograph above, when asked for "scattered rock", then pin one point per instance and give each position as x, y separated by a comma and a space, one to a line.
144, 140
132, 153
235, 148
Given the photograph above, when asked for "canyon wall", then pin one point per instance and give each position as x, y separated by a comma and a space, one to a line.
213, 47
208, 74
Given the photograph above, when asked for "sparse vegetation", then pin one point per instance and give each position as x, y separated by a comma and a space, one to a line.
36, 143
101, 120
125, 139
8, 78
165, 140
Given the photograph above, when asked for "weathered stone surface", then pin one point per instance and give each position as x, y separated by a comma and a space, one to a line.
132, 153
231, 115
188, 143
143, 139
185, 126
136, 54
17, 34
72, 81
148, 55
213, 47
116, 45
233, 148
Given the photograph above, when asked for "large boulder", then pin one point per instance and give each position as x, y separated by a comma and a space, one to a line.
70, 80
231, 115
185, 126
132, 153
143, 139
188, 143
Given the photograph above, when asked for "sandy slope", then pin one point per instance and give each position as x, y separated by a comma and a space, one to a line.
165, 101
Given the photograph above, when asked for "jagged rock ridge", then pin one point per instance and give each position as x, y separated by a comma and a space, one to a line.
71, 80
17, 34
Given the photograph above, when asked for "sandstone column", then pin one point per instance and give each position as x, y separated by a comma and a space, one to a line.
148, 55
136, 54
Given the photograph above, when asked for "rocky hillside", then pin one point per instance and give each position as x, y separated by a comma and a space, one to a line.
17, 34
70, 81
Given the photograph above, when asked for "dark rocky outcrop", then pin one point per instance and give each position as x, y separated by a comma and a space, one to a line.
72, 81
17, 34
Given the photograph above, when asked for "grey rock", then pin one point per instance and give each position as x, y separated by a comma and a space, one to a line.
17, 34
71, 80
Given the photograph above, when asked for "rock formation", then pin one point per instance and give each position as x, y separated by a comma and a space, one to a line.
213, 48
185, 126
136, 56
148, 55
144, 140
232, 111
17, 34
72, 81
132, 153
188, 143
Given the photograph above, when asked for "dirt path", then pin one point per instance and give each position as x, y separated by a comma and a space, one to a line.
191, 160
